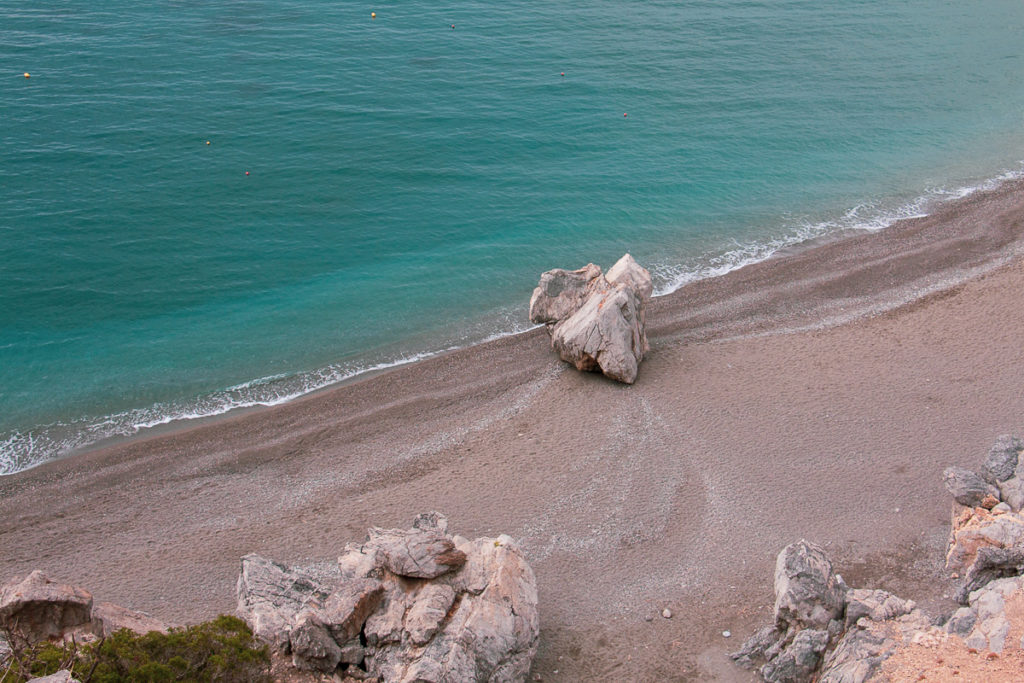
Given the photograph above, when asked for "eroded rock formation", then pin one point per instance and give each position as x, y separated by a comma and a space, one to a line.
596, 321
406, 605
827, 632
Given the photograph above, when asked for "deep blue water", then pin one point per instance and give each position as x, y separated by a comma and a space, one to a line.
408, 181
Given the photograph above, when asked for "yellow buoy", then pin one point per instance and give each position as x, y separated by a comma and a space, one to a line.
373, 15
27, 75
207, 142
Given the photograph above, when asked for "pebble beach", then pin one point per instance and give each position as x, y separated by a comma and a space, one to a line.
818, 394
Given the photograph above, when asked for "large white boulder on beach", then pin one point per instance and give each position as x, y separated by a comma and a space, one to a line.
596, 321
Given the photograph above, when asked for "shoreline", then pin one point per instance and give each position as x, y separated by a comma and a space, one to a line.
817, 395
942, 203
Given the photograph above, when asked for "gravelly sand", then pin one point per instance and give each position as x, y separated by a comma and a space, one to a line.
817, 395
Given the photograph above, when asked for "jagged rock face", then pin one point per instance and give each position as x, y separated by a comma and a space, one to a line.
984, 547
271, 595
488, 631
37, 608
877, 605
1002, 459
823, 630
799, 660
417, 553
312, 647
474, 618
562, 292
809, 607
604, 335
984, 622
869, 642
596, 322
320, 633
807, 592
966, 487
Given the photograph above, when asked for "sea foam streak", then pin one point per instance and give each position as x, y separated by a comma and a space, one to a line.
670, 277
21, 450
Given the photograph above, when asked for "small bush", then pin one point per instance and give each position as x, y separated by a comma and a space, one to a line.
220, 650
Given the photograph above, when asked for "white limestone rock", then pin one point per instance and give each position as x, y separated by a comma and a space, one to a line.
596, 323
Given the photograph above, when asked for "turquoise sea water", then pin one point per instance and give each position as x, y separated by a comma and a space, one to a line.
408, 181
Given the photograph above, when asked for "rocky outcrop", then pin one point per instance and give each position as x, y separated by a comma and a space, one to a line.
808, 594
984, 623
986, 540
596, 321
863, 648
809, 607
270, 596
37, 608
407, 605
984, 546
967, 488
826, 632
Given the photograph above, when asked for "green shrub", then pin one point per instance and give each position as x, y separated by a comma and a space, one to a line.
220, 650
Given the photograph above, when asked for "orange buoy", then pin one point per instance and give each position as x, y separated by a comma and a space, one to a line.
27, 75
373, 15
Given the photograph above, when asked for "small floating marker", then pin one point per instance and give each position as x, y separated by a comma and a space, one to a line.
246, 173
28, 75
453, 27
207, 142
624, 115
563, 73
373, 15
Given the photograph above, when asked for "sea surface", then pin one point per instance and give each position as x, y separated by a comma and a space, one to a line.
210, 204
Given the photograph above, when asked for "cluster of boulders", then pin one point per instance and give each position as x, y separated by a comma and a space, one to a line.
405, 605
825, 631
596, 321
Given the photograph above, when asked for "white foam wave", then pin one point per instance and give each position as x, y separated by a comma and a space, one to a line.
21, 450
870, 217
